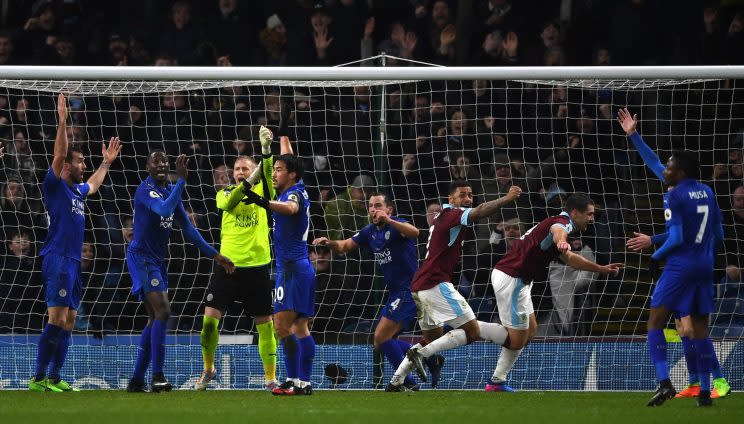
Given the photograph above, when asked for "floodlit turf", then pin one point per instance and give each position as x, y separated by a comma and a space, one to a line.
434, 407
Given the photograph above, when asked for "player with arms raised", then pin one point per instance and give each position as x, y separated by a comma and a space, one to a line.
294, 290
694, 228
64, 195
437, 301
393, 241
244, 239
528, 259
156, 204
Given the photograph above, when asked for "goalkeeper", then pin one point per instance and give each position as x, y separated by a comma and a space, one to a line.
245, 239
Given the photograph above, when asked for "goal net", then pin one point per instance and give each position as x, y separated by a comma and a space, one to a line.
408, 135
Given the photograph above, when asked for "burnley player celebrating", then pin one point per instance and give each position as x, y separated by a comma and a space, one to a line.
527, 260
437, 301
393, 241
156, 204
64, 196
294, 290
694, 230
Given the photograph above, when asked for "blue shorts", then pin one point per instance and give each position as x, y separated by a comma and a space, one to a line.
147, 275
294, 289
684, 293
62, 283
400, 308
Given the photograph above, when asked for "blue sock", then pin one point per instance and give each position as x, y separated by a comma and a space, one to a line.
157, 346
58, 359
143, 355
307, 354
394, 353
657, 350
705, 353
404, 346
715, 367
47, 346
291, 355
690, 359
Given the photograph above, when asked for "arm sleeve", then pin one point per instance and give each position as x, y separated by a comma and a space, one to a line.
165, 208
361, 237
228, 199
84, 189
659, 238
267, 163
191, 234
674, 240
649, 157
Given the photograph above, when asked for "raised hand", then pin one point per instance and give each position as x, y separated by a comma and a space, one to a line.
409, 43
514, 193
369, 27
510, 44
491, 43
381, 214
322, 42
447, 36
626, 121
224, 262
638, 242
181, 169
112, 151
62, 107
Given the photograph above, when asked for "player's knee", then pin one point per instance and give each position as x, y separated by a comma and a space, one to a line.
472, 334
163, 315
282, 330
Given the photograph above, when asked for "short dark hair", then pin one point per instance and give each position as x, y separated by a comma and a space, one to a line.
293, 164
454, 185
687, 162
72, 149
153, 152
385, 197
578, 201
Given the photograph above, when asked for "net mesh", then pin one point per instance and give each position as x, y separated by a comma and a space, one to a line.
550, 137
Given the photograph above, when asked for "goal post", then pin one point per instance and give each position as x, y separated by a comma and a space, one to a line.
406, 131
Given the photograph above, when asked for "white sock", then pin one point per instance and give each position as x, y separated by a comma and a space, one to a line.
507, 358
302, 384
449, 341
493, 332
406, 366
416, 346
296, 381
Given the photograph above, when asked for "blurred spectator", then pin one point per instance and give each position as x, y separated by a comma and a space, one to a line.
233, 33
221, 177
566, 284
39, 34
492, 246
347, 212
273, 41
181, 37
734, 236
21, 306
7, 56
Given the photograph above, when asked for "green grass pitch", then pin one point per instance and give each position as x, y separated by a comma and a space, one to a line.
435, 407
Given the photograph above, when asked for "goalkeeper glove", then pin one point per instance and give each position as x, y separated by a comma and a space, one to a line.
253, 198
265, 135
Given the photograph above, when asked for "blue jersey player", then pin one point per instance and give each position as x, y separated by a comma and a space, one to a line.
694, 229
156, 204
64, 194
393, 242
294, 290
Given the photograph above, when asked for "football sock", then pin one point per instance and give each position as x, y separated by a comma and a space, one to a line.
493, 332
267, 349
58, 358
209, 337
657, 350
715, 366
143, 355
291, 356
450, 340
46, 348
157, 345
690, 359
507, 359
704, 359
307, 354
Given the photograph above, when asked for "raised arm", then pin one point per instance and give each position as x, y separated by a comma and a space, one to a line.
109, 154
60, 141
338, 246
650, 158
484, 210
267, 160
285, 145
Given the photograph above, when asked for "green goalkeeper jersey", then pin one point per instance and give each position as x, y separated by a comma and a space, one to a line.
244, 235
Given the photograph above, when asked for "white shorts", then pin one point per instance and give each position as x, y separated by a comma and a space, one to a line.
441, 305
513, 299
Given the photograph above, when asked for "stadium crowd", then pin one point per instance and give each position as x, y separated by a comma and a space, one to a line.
550, 141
